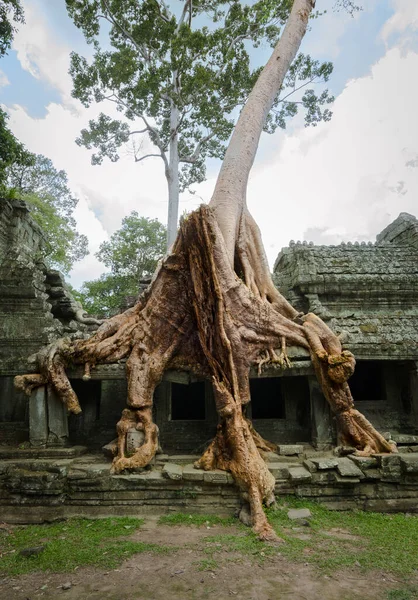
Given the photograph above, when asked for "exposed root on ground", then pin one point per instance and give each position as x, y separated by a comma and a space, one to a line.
198, 315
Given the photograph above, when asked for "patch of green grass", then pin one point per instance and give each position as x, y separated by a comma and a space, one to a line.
197, 520
403, 594
71, 544
383, 541
207, 564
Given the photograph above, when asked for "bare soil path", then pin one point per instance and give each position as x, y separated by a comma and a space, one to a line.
197, 569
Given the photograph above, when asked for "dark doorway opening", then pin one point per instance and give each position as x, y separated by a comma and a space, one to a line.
366, 384
188, 402
84, 425
267, 400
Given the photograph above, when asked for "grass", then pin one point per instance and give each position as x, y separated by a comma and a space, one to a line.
368, 540
410, 593
383, 541
196, 520
72, 544
207, 564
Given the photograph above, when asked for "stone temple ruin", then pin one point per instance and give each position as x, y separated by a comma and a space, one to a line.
52, 465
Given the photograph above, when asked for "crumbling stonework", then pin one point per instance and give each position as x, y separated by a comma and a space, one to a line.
366, 292
36, 308
48, 487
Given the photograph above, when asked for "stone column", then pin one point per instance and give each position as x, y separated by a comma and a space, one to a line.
323, 433
38, 418
57, 420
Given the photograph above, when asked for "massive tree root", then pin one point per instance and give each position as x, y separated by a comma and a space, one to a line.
199, 315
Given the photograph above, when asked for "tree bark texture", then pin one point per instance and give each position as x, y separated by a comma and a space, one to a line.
212, 309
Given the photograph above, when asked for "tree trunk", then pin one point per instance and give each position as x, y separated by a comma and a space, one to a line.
172, 175
212, 309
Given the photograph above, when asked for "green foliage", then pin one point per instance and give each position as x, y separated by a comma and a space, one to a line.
374, 540
10, 10
196, 520
135, 248
72, 544
180, 73
406, 593
207, 564
11, 152
52, 204
131, 254
105, 296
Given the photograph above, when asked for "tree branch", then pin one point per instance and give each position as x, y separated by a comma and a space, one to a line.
193, 157
160, 12
186, 9
147, 156
111, 19
312, 80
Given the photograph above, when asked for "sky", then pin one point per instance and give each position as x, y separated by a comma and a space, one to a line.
342, 180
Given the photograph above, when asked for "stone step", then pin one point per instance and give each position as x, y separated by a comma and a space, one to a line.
57, 452
178, 459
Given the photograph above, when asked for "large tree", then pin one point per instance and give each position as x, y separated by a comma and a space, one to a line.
46, 191
179, 72
11, 12
12, 152
131, 254
212, 308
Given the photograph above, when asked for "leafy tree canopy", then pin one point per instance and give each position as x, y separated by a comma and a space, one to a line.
10, 11
178, 72
46, 190
132, 254
12, 152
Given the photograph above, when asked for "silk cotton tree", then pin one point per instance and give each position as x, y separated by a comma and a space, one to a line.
212, 308
179, 73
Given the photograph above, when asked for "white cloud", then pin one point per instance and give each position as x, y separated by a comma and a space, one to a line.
3, 79
405, 19
345, 179
42, 53
106, 193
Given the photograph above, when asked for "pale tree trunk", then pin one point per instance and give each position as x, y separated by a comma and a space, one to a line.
213, 309
172, 175
228, 200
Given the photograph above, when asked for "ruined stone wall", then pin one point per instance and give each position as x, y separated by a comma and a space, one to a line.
368, 292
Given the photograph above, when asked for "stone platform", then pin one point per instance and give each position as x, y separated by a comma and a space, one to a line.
69, 483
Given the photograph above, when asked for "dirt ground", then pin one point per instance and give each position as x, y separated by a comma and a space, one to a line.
178, 575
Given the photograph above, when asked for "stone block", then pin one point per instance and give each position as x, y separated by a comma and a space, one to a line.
388, 461
134, 439
172, 471
299, 474
346, 468
404, 439
216, 476
279, 470
409, 463
346, 480
192, 474
324, 463
324, 477
392, 476
308, 464
373, 474
290, 450
363, 462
